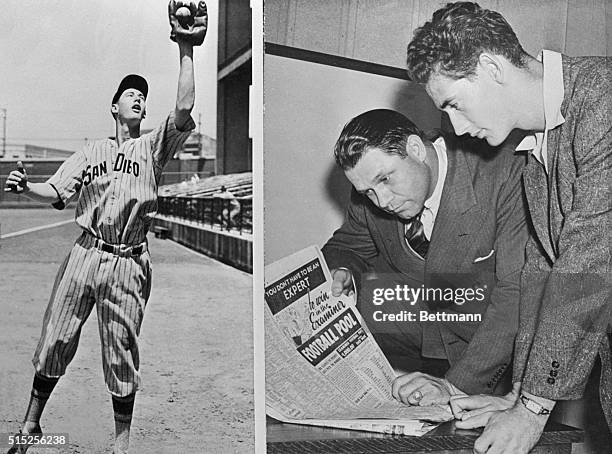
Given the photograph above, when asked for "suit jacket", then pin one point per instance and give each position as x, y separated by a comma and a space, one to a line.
481, 209
566, 285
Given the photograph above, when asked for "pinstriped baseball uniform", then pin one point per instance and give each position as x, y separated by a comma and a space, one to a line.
117, 200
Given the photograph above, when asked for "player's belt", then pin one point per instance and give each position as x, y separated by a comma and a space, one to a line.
121, 249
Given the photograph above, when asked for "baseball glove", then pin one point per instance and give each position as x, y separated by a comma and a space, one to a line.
191, 28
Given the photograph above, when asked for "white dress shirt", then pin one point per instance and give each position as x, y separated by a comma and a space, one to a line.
432, 204
553, 91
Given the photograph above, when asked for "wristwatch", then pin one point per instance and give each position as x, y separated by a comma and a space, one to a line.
533, 406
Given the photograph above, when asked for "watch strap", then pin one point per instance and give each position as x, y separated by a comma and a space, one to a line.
533, 406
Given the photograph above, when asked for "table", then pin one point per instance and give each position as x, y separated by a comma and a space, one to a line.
445, 439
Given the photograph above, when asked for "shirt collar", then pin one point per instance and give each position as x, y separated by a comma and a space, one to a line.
433, 202
553, 92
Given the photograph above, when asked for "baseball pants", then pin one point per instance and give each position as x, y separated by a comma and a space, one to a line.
118, 285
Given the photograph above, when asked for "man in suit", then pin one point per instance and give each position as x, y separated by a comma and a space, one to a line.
424, 219
476, 71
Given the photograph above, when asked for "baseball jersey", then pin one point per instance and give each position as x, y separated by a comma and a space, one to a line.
116, 185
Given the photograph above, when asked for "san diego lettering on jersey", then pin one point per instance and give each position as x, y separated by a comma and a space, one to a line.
122, 164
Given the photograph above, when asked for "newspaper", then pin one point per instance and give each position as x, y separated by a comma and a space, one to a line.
323, 366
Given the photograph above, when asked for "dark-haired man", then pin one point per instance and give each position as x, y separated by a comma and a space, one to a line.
115, 184
476, 71
424, 219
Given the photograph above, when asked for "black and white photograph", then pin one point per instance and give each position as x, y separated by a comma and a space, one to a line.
437, 189
306, 226
126, 231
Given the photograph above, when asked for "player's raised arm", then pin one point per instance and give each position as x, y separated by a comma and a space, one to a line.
188, 23
17, 182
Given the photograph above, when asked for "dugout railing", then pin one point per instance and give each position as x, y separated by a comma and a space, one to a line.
212, 211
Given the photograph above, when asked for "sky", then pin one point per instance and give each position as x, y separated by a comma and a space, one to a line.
62, 60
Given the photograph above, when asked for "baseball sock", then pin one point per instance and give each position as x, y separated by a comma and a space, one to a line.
41, 390
123, 408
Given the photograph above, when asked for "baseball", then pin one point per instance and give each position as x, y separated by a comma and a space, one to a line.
183, 13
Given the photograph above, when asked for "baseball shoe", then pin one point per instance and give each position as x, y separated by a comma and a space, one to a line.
22, 449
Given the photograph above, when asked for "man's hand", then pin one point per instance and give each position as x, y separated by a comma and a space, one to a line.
342, 283
475, 411
191, 30
513, 431
417, 388
17, 181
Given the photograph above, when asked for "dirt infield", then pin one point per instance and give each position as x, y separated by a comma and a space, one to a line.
196, 349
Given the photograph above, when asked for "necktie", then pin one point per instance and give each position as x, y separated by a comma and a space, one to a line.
416, 237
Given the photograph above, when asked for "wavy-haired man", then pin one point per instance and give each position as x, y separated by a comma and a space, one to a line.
475, 69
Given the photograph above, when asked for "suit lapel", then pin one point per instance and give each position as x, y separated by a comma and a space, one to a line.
555, 217
458, 216
536, 191
554, 220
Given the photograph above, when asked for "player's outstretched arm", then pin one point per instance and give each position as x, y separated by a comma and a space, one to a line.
188, 23
17, 182
185, 96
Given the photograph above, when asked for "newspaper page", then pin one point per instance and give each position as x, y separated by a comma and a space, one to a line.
412, 427
322, 362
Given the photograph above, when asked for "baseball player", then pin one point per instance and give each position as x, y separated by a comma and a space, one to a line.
115, 184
